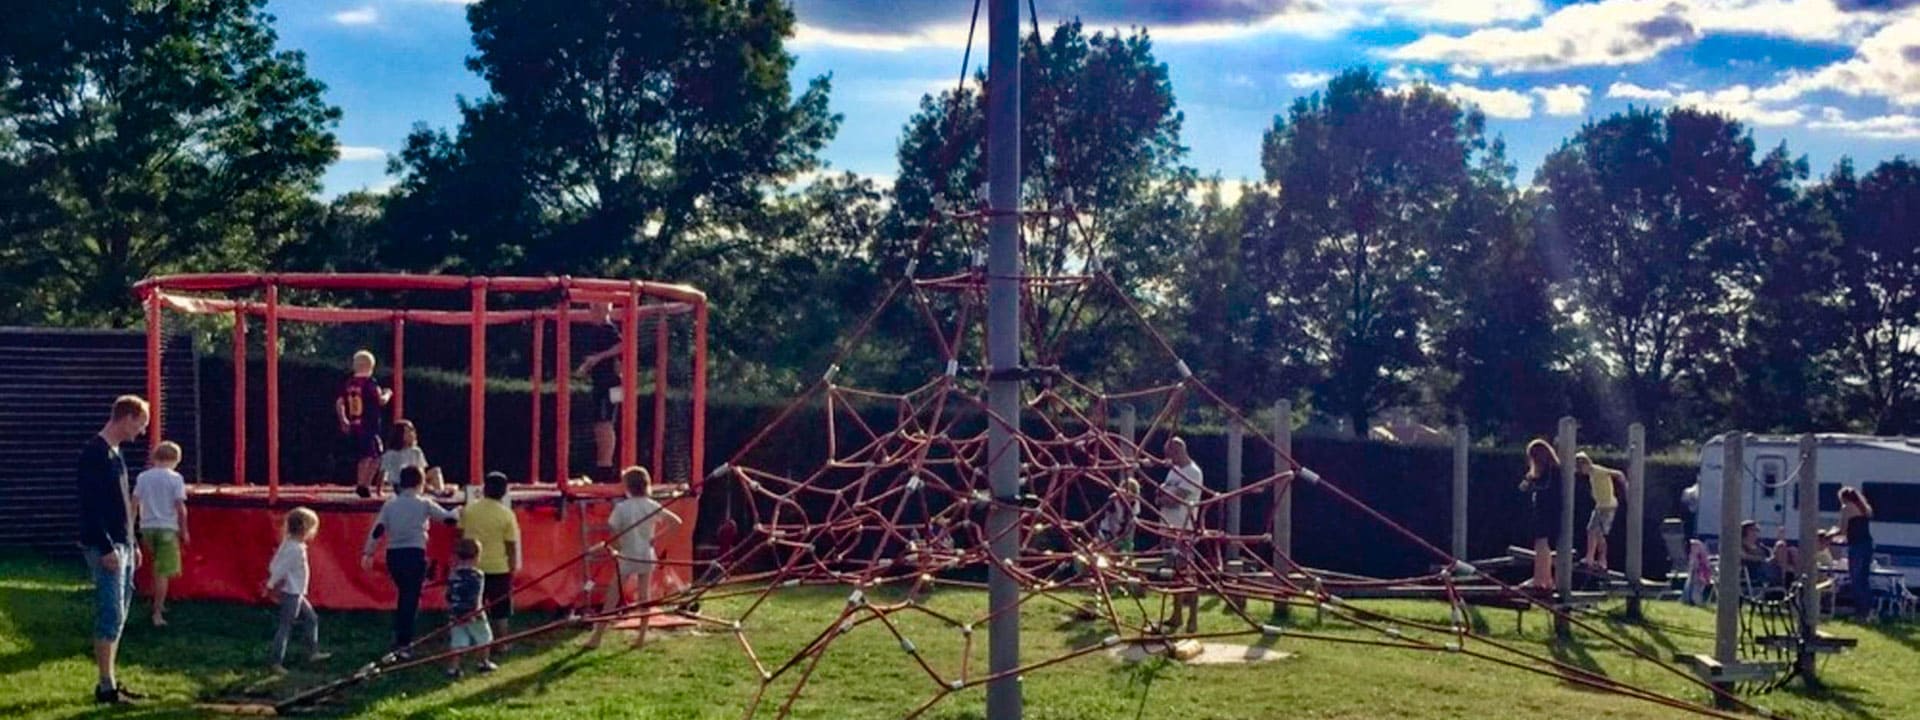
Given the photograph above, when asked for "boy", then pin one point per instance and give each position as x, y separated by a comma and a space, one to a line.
358, 408
404, 521
633, 522
160, 501
1181, 512
1604, 482
491, 523
463, 600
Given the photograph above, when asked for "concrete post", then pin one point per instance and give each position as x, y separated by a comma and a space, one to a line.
1460, 445
1236, 439
1636, 510
1726, 586
1567, 444
1282, 434
1809, 506
1003, 352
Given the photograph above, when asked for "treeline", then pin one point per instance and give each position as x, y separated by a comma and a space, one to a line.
1659, 267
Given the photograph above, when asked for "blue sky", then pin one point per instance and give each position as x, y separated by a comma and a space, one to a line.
1828, 77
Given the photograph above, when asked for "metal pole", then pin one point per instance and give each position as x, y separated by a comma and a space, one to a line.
1236, 438
1003, 350
1460, 444
1636, 510
1726, 586
1563, 557
1809, 501
155, 402
1282, 434
477, 384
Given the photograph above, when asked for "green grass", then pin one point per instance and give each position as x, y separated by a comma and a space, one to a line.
211, 648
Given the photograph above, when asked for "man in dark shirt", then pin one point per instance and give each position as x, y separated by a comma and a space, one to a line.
106, 532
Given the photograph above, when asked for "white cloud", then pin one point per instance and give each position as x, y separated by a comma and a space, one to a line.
1404, 74
1808, 20
1230, 191
1563, 100
1464, 72
1881, 127
1239, 80
363, 15
361, 153
1630, 91
1306, 80
1609, 32
1886, 65
1454, 12
1498, 103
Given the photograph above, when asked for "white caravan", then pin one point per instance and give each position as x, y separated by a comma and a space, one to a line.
1887, 469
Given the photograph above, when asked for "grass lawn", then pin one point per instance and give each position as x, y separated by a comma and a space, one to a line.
45, 670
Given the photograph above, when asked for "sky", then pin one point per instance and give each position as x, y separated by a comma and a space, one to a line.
1830, 78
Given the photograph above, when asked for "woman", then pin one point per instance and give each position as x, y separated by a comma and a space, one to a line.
1543, 487
603, 370
1856, 520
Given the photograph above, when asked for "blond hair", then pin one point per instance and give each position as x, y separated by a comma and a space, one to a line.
166, 453
302, 523
127, 406
367, 354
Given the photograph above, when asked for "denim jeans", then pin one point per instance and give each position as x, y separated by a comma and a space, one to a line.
295, 610
112, 592
408, 569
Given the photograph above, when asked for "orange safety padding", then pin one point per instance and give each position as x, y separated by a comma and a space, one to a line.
235, 533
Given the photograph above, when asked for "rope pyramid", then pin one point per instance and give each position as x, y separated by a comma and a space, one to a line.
903, 506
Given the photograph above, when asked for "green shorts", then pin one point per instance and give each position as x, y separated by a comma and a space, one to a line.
164, 546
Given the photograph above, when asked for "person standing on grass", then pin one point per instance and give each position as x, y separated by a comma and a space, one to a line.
160, 501
106, 537
491, 523
287, 581
1180, 510
1543, 487
404, 521
1856, 521
633, 522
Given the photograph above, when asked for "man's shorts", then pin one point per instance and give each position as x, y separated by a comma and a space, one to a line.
165, 545
472, 632
112, 592
1601, 521
497, 594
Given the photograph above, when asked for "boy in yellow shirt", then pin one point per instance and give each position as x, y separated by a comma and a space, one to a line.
489, 521
1606, 503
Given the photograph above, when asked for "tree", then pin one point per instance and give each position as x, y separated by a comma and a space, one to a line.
1244, 350
1655, 218
619, 136
145, 138
1878, 285
1100, 132
1366, 178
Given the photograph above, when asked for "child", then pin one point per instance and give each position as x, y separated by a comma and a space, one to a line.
491, 523
1605, 483
160, 501
633, 523
358, 406
287, 582
1699, 573
403, 451
463, 600
404, 520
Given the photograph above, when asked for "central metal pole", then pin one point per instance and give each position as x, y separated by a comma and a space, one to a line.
1003, 350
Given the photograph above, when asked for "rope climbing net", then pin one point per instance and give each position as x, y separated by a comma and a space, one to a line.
897, 509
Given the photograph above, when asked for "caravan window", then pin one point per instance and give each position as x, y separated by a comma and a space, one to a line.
1892, 502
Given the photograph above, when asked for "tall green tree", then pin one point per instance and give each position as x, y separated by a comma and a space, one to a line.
1652, 219
1878, 285
1366, 178
1100, 131
618, 136
146, 137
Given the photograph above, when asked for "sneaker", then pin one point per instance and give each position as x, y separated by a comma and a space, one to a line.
453, 673
277, 669
108, 696
487, 666
319, 657
363, 491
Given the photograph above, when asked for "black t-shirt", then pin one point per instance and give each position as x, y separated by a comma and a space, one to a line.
600, 338
105, 518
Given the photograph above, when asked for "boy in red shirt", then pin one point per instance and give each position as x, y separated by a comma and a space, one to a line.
358, 406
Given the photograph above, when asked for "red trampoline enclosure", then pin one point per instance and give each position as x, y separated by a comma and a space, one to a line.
235, 525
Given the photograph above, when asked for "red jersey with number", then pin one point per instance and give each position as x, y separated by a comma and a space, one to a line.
361, 396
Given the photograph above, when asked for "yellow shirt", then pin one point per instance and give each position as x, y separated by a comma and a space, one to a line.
492, 523
1601, 478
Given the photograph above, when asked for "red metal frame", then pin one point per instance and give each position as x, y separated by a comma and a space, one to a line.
185, 293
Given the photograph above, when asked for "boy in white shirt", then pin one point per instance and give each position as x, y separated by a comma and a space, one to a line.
1180, 510
287, 583
160, 501
633, 523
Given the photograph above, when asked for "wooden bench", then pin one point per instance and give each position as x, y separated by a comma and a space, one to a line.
1822, 642
1719, 673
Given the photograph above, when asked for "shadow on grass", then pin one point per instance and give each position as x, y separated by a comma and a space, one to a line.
1844, 698
560, 666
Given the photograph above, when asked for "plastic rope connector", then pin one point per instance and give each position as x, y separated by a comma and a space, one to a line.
1309, 475
846, 626
856, 598
1110, 640
914, 484
907, 645
912, 265
953, 367
1462, 567
832, 370
1185, 372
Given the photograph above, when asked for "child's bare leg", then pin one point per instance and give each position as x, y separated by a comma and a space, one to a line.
612, 601
363, 473
160, 598
646, 593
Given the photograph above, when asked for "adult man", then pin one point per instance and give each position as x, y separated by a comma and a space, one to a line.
1604, 482
106, 536
1180, 510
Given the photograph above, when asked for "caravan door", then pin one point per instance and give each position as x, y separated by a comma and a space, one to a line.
1771, 494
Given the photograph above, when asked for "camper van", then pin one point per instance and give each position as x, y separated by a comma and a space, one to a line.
1887, 469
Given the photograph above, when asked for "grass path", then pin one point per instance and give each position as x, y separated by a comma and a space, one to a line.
45, 671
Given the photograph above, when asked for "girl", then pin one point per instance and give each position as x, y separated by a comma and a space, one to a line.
633, 523
1542, 485
287, 582
403, 451
606, 374
1856, 520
